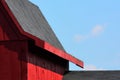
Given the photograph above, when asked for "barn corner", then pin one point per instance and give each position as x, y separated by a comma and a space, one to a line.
29, 49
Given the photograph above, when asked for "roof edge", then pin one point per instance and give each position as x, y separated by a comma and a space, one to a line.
41, 43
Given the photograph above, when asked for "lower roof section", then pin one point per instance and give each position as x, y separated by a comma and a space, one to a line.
92, 75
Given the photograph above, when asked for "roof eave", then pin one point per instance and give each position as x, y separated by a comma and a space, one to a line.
41, 43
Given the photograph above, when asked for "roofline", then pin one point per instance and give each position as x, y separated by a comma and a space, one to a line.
43, 44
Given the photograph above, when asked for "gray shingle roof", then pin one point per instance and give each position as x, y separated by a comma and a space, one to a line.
32, 21
92, 75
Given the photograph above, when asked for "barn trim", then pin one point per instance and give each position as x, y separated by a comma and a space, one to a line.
41, 43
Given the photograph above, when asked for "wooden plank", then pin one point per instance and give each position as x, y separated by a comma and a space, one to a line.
11, 66
32, 68
5, 67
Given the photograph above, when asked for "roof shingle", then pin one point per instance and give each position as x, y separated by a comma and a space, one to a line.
92, 75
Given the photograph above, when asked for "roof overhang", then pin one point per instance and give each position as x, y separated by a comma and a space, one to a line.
43, 44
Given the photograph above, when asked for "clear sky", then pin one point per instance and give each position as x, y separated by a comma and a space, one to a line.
88, 29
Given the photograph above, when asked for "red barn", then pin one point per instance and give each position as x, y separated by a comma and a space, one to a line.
29, 49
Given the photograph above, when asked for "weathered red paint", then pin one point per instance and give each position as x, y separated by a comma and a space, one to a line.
46, 69
45, 64
12, 60
42, 43
20, 63
26, 57
8, 30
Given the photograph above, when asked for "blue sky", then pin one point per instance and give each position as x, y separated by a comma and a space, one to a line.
88, 29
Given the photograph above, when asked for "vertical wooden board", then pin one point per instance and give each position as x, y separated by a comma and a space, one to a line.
47, 71
42, 74
32, 68
23, 70
39, 72
56, 77
5, 66
53, 75
18, 61
48, 66
46, 74
40, 68
32, 75
23, 50
49, 76
15, 66
1, 30
1, 33
10, 61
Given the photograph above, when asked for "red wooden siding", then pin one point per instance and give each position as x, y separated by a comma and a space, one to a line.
44, 72
8, 30
40, 42
48, 60
23, 56
45, 66
12, 61
13, 52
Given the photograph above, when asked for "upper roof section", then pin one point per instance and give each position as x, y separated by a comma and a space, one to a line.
32, 21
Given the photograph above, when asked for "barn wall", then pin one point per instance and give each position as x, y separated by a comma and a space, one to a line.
17, 63
8, 30
41, 69
13, 60
44, 66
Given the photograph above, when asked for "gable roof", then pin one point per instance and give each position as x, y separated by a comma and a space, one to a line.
31, 23
92, 75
